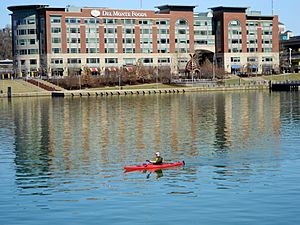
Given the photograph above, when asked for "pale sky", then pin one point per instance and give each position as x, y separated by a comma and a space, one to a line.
288, 10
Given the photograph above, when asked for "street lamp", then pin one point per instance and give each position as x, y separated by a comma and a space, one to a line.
119, 80
290, 58
214, 73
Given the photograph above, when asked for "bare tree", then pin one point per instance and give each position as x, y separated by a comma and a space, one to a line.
6, 43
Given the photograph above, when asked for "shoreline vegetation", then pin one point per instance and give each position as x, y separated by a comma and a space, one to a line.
21, 88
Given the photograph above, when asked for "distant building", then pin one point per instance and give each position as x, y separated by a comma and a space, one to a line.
63, 41
246, 41
291, 54
6, 68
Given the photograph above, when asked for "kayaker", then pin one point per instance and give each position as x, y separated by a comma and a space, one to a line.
158, 159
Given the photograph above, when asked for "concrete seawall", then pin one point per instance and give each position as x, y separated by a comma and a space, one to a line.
125, 92
28, 94
89, 93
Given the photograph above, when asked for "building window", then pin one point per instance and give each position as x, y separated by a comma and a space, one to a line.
162, 31
164, 60
110, 40
56, 50
56, 40
129, 61
93, 60
57, 61
32, 41
91, 30
110, 50
146, 40
252, 49
22, 32
128, 31
31, 21
23, 52
128, 50
92, 21
74, 61
162, 22
235, 59
73, 20
267, 59
181, 22
73, 30
92, 40
22, 42
92, 50
31, 31
146, 22
110, 30
33, 51
55, 30
73, 40
147, 60
111, 60
146, 31
252, 59
181, 31
146, 50
267, 49
110, 21
55, 19
128, 40
33, 61
73, 50
128, 21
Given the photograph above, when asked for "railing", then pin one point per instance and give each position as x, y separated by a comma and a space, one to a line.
40, 84
287, 82
193, 81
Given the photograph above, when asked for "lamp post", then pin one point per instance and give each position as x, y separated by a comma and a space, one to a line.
213, 63
119, 80
290, 59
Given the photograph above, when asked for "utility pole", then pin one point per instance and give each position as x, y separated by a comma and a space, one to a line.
141, 4
272, 7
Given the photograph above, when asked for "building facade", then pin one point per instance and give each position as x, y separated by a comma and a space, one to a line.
290, 54
63, 41
246, 41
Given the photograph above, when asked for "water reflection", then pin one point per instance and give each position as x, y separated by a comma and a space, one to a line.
62, 140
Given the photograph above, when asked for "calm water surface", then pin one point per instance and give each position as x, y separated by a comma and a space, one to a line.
61, 160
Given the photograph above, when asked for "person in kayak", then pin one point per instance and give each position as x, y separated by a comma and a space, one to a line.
158, 159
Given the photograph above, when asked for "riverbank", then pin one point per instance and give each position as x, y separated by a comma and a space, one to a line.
21, 88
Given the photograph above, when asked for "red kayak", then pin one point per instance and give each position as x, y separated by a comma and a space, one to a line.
153, 167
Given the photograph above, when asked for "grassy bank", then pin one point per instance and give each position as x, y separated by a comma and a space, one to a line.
283, 77
234, 80
138, 87
20, 86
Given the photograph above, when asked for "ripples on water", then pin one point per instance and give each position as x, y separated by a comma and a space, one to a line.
61, 160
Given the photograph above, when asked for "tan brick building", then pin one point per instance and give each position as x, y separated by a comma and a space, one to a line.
61, 41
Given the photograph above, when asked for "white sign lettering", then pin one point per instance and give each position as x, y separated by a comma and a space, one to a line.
117, 13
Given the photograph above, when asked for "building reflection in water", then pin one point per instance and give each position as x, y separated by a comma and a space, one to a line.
78, 135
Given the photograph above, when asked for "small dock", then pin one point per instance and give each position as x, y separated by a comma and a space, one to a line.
284, 85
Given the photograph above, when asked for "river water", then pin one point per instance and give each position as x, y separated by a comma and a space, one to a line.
61, 160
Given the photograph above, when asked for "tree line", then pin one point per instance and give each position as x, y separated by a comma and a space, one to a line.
6, 43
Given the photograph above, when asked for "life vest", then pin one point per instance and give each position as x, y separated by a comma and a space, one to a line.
158, 160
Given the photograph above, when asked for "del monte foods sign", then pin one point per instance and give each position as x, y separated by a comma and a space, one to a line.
117, 13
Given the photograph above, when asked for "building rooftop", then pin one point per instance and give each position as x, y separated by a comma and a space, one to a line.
229, 9
168, 8
26, 7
